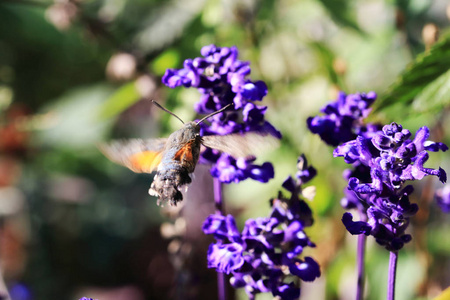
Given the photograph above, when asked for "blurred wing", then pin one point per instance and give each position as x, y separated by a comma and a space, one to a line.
241, 145
140, 156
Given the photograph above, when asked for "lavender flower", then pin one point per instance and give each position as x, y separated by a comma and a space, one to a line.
392, 158
222, 79
382, 160
265, 255
342, 121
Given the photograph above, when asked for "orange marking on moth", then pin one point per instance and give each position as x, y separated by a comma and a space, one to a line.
185, 153
146, 161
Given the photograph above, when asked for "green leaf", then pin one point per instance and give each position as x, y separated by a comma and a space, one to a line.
122, 99
424, 83
326, 58
434, 96
167, 60
339, 11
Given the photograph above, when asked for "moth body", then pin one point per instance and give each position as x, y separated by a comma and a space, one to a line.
180, 156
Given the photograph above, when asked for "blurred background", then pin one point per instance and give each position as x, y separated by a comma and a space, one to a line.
74, 73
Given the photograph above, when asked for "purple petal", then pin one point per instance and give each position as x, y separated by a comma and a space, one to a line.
435, 147
262, 173
307, 270
222, 227
287, 291
421, 136
289, 184
355, 227
225, 258
254, 90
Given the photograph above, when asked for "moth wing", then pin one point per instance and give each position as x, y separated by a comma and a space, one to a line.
140, 156
241, 145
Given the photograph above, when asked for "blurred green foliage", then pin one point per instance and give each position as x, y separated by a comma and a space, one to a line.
93, 224
424, 84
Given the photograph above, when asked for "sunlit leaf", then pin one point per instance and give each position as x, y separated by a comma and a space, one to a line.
340, 12
426, 79
167, 23
434, 96
168, 59
123, 98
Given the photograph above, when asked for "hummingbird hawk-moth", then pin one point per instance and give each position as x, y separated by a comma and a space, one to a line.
174, 158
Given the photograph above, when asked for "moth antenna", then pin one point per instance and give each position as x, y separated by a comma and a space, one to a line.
214, 113
166, 110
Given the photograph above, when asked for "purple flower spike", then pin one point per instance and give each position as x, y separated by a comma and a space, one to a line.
390, 157
260, 257
382, 159
222, 79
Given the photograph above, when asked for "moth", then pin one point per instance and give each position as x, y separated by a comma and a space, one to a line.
174, 158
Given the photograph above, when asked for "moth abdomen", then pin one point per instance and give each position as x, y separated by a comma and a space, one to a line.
167, 182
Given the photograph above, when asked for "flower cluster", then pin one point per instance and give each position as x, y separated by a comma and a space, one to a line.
222, 79
382, 159
392, 158
264, 257
342, 121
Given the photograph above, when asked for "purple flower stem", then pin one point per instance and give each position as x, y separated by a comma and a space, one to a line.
218, 197
360, 266
218, 200
391, 277
360, 254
